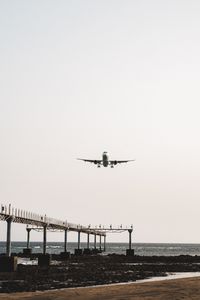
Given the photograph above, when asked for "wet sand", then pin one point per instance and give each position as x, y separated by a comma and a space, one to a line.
174, 289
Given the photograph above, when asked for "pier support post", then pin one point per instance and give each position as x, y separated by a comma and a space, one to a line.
28, 237
130, 238
79, 239
44, 239
44, 260
8, 263
130, 251
88, 240
95, 250
100, 242
104, 245
27, 250
65, 255
87, 250
95, 241
65, 241
8, 241
78, 251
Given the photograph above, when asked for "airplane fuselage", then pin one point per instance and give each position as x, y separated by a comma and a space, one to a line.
105, 159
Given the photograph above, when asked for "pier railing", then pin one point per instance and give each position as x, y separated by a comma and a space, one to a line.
29, 218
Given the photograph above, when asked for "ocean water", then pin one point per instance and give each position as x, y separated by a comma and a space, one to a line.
147, 249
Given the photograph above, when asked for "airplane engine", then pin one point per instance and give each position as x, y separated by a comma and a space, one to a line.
95, 162
115, 162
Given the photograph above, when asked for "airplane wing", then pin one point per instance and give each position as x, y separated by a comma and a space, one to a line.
114, 162
95, 161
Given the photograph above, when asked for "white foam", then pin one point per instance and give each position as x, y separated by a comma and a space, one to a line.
171, 276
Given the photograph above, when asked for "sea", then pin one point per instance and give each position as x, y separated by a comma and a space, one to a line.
147, 249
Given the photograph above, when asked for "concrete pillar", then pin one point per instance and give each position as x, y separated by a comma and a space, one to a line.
130, 236
28, 238
44, 239
8, 264
95, 241
87, 250
100, 242
79, 251
130, 251
65, 255
79, 239
104, 246
88, 241
44, 260
65, 241
27, 251
8, 241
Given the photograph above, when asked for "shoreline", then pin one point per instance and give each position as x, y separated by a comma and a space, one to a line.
181, 275
182, 288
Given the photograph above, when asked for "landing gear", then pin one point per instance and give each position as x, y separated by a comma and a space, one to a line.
98, 166
112, 166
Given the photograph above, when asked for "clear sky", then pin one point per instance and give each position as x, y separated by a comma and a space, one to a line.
81, 77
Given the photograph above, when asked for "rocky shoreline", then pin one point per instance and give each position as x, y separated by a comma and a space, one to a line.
89, 270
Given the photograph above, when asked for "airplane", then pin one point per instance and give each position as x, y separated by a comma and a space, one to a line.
105, 162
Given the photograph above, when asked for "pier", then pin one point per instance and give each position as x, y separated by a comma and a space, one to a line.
43, 224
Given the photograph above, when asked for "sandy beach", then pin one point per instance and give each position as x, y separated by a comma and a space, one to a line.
174, 289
